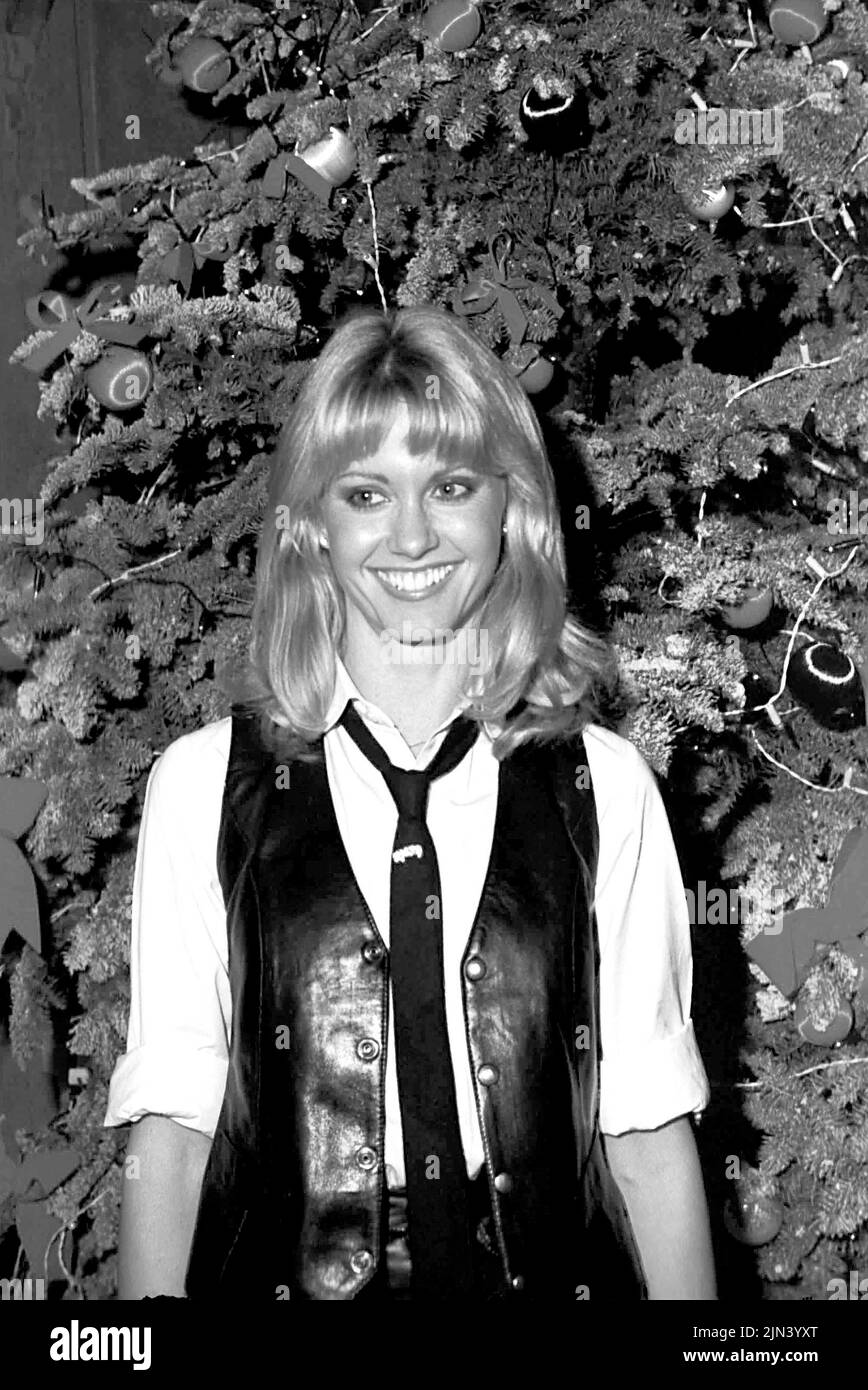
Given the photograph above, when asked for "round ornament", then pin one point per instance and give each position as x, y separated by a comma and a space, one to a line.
554, 115
835, 1031
333, 157
753, 1215
752, 612
795, 22
120, 379
840, 68
536, 376
711, 204
453, 24
204, 65
826, 681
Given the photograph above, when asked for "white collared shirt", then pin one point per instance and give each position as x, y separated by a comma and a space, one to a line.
180, 1009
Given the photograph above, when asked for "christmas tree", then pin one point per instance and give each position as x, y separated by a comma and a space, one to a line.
653, 212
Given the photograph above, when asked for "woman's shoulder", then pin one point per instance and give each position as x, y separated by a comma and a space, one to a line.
611, 748
619, 772
201, 755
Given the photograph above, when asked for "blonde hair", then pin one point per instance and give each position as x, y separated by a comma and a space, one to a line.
542, 659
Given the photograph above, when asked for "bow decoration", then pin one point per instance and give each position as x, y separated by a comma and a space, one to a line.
55, 311
492, 285
274, 178
788, 957
20, 800
180, 263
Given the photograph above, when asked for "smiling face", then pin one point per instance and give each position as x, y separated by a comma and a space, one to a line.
411, 539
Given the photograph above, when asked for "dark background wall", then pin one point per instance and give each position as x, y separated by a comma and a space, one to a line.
71, 71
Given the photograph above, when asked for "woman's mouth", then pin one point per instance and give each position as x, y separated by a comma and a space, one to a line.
414, 584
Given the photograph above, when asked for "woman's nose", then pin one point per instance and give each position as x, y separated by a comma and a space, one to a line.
413, 531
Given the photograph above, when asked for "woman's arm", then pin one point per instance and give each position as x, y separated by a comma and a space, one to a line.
658, 1174
159, 1205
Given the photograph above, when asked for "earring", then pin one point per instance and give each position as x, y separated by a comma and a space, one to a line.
504, 528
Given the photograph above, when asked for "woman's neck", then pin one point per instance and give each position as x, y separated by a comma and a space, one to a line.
417, 696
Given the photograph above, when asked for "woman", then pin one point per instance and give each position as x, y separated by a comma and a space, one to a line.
396, 1035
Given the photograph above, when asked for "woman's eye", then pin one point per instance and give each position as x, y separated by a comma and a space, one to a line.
360, 492
456, 482
371, 492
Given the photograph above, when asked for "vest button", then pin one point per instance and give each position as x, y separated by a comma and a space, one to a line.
361, 1261
488, 1074
475, 968
367, 1049
366, 1157
372, 952
518, 1281
503, 1183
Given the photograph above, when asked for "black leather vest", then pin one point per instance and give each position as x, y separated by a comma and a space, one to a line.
292, 1200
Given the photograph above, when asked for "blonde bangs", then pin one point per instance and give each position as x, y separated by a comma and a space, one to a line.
449, 419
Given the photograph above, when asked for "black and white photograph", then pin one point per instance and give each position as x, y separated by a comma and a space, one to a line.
433, 672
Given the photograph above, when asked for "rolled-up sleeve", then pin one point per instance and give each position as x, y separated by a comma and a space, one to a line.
180, 1009
651, 1070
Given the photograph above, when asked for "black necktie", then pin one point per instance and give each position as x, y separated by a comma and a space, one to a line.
439, 1227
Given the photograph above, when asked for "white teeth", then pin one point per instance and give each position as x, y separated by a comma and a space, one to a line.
415, 582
